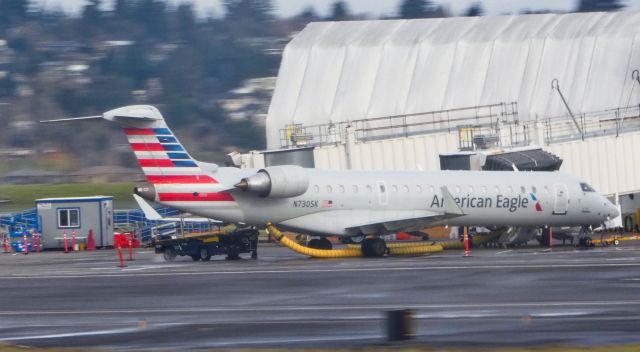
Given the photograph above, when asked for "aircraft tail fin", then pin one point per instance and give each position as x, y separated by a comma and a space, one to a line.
162, 157
159, 152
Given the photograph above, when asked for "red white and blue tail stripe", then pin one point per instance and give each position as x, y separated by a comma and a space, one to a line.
169, 167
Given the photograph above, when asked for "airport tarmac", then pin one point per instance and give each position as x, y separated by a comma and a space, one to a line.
496, 298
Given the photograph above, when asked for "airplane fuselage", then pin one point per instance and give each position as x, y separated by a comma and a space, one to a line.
336, 200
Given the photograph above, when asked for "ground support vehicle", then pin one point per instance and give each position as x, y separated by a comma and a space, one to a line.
204, 246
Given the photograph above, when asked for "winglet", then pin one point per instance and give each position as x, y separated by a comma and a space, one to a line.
149, 212
450, 205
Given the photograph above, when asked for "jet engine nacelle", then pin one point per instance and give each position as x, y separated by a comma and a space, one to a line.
277, 182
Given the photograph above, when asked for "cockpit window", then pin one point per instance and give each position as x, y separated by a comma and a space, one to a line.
586, 187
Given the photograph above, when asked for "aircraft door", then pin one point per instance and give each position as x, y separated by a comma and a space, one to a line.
383, 193
561, 203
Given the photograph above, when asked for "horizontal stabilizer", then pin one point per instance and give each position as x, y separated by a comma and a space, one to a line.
149, 212
73, 119
152, 214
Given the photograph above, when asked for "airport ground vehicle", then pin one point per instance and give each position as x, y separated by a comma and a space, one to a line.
204, 246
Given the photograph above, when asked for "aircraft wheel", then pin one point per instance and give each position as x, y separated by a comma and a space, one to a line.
588, 242
325, 243
320, 243
195, 257
204, 254
169, 254
582, 242
544, 238
373, 247
616, 242
232, 256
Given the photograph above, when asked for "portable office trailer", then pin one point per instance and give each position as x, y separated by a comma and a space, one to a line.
82, 214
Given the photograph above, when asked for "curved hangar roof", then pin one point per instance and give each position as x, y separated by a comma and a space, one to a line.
339, 71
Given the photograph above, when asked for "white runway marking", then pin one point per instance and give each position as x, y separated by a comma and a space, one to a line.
333, 308
507, 251
122, 273
281, 342
71, 334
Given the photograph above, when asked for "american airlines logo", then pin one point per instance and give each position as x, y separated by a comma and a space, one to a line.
535, 199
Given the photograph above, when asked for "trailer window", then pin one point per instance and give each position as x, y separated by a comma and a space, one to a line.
68, 218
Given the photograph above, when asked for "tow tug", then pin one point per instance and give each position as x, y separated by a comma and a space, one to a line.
229, 241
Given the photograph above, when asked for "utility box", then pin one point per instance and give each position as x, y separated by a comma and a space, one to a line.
58, 216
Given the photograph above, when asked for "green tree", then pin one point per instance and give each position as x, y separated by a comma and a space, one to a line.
599, 5
12, 12
474, 10
249, 18
186, 22
339, 11
256, 10
122, 8
92, 12
308, 14
415, 9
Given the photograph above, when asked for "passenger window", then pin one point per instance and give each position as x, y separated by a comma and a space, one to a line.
471, 189
523, 189
329, 189
546, 189
483, 189
498, 189
457, 189
533, 190
395, 189
405, 189
316, 188
432, 189
355, 188
510, 190
369, 189
341, 189
419, 189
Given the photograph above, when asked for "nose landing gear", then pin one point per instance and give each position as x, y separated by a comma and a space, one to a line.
585, 241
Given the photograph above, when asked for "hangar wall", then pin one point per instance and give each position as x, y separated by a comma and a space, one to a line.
607, 162
342, 71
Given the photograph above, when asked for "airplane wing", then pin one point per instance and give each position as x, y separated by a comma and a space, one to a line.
400, 223
378, 221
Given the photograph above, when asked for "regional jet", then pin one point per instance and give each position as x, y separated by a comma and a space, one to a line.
359, 204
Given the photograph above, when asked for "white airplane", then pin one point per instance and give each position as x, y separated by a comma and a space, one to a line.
350, 203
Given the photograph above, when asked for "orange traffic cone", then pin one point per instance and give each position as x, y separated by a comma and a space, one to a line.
91, 242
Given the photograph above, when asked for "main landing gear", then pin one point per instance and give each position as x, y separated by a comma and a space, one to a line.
320, 243
373, 247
